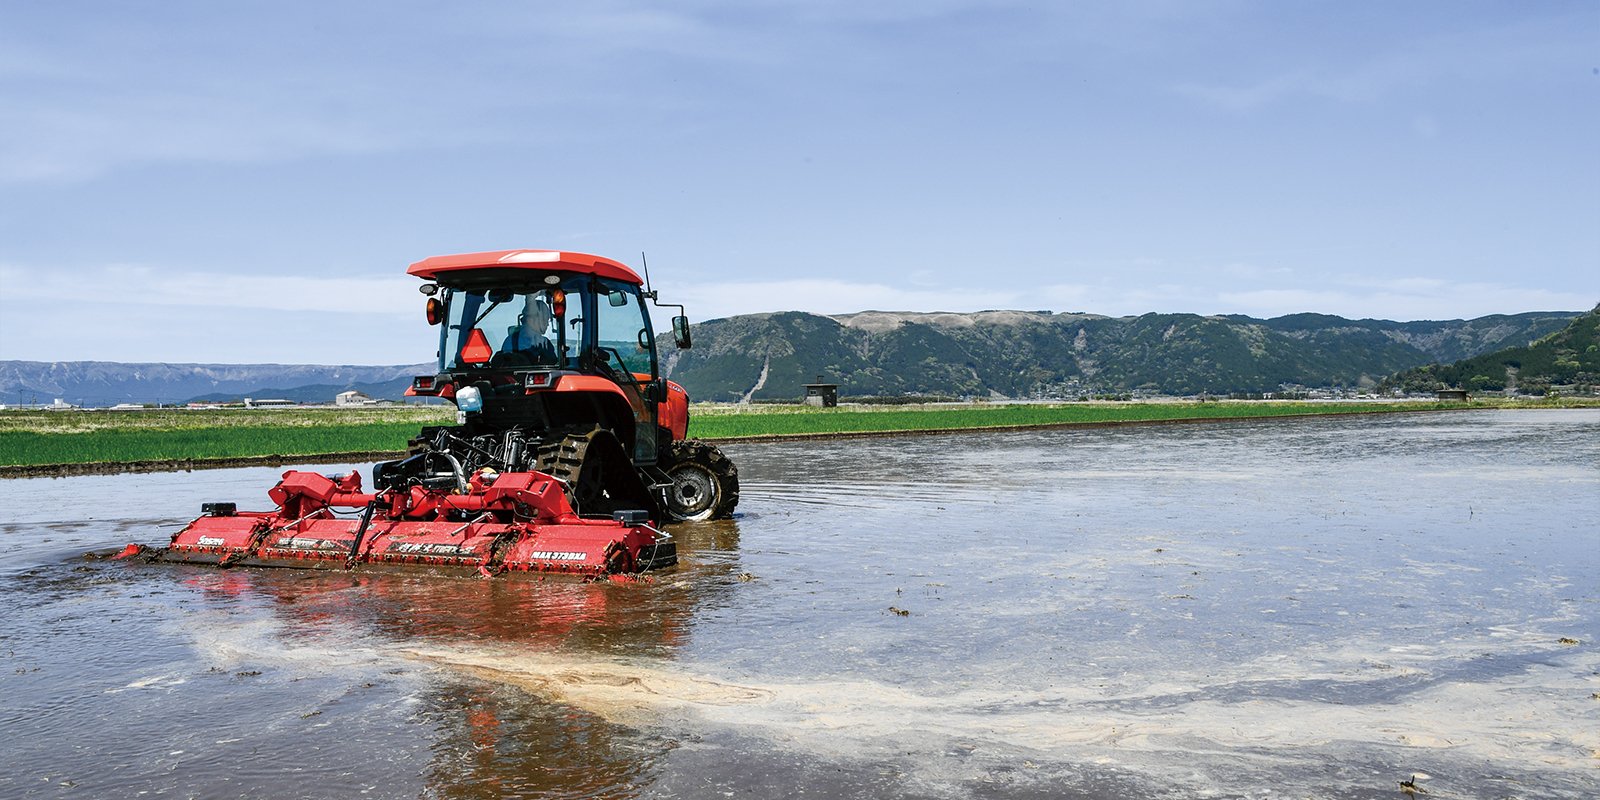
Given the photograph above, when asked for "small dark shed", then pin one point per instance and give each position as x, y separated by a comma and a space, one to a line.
824, 395
1457, 395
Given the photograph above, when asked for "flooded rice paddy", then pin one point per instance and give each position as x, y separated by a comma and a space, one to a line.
1295, 608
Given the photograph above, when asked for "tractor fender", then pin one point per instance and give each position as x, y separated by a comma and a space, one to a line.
622, 408
673, 414
595, 384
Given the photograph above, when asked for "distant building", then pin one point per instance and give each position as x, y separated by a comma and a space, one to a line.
824, 395
253, 403
1454, 395
353, 398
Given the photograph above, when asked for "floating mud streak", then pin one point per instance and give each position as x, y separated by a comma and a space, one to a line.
1273, 706
1319, 608
618, 692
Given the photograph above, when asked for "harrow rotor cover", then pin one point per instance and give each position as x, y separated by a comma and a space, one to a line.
505, 523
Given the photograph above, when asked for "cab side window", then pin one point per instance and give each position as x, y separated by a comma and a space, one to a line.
622, 328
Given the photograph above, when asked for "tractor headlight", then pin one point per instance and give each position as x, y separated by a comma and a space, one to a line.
468, 398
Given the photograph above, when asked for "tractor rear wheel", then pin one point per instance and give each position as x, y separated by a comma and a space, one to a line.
704, 483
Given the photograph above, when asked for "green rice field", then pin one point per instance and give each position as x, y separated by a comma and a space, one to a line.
848, 420
32, 438
74, 437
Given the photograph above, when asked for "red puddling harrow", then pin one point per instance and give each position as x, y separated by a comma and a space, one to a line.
506, 523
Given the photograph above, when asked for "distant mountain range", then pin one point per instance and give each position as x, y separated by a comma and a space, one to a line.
983, 354
105, 383
1041, 354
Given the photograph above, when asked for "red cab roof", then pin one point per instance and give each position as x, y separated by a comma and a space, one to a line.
430, 268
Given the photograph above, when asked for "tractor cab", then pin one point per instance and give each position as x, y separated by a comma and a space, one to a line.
551, 360
539, 339
552, 321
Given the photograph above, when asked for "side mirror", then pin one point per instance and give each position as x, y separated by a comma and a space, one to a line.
656, 391
680, 332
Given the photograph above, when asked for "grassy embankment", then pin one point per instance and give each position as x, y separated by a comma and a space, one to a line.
45, 437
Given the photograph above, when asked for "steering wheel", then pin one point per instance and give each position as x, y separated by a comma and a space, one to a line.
604, 366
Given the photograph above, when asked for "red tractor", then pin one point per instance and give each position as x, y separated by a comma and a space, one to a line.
569, 451
551, 361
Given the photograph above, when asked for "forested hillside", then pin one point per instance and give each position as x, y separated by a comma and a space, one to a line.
1568, 357
1023, 353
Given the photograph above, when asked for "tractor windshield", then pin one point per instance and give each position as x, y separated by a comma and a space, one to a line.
503, 328
554, 327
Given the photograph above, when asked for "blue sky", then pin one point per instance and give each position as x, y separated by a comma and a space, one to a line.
246, 182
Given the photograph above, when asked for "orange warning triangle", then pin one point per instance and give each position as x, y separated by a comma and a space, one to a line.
477, 350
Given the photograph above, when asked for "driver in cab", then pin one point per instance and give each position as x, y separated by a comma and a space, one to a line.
527, 338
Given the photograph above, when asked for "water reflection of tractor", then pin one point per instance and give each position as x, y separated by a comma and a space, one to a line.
569, 452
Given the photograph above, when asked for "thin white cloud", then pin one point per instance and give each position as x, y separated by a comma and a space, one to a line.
820, 296
230, 84
74, 125
138, 313
1245, 288
1245, 98
1492, 51
1409, 285
131, 332
1252, 271
227, 83
1399, 299
1114, 298
219, 86
1406, 299
134, 285
142, 313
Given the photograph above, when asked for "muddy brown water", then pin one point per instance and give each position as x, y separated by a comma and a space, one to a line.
1288, 608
